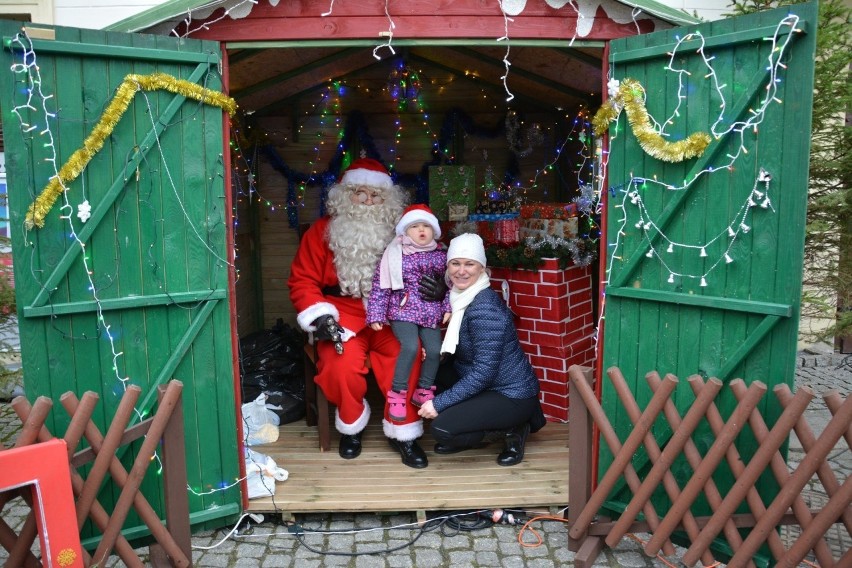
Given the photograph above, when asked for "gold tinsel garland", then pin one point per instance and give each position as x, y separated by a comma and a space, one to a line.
109, 119
631, 97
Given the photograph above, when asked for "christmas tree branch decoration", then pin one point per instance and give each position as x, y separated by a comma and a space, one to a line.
630, 96
530, 253
124, 94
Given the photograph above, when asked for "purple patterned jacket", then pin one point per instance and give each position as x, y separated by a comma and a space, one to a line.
385, 305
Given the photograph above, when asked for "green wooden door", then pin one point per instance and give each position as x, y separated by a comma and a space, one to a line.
137, 293
704, 254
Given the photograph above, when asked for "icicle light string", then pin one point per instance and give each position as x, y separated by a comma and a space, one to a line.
738, 128
634, 14
730, 233
388, 33
580, 16
240, 9
506, 63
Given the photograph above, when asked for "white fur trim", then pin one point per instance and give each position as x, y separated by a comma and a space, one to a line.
306, 317
356, 426
417, 216
370, 178
403, 432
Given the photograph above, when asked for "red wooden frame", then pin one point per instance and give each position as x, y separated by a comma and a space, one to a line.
45, 468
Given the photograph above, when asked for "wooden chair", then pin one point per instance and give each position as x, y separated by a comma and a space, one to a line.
317, 408
316, 405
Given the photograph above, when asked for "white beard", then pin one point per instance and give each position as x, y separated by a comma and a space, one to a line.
357, 236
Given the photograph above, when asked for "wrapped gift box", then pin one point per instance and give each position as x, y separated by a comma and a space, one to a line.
452, 186
497, 228
561, 211
538, 228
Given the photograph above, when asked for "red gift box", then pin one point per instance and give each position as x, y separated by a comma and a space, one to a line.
507, 231
549, 211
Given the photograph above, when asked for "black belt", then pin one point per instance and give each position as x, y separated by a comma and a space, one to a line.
332, 291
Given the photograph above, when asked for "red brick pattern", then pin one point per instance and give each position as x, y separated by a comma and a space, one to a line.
555, 322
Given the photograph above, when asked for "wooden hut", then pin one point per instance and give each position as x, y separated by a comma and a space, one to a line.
194, 218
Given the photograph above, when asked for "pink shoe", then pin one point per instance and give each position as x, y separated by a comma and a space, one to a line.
420, 396
397, 405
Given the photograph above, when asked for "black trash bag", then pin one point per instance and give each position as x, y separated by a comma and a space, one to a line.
271, 361
286, 406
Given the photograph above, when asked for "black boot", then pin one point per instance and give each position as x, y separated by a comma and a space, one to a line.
350, 445
411, 452
513, 445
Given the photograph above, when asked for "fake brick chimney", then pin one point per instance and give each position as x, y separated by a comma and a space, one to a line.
555, 321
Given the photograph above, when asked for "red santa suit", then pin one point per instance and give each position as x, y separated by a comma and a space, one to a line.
314, 292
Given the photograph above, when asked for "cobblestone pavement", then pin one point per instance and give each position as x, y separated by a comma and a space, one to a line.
397, 541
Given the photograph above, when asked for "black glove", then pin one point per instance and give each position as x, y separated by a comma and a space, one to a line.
432, 289
329, 330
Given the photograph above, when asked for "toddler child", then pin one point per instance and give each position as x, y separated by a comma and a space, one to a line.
412, 254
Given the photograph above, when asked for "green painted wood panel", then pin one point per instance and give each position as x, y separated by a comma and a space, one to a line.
146, 301
742, 320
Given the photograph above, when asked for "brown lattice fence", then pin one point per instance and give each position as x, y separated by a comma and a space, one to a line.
172, 546
589, 531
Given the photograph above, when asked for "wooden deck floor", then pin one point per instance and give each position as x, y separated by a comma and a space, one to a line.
377, 480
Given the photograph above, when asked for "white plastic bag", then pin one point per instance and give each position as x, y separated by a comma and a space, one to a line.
258, 427
261, 474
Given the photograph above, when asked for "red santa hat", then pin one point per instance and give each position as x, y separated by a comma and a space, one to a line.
418, 213
367, 171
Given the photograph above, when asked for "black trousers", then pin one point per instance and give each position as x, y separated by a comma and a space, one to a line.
466, 423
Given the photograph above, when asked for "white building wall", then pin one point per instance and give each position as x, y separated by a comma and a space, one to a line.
28, 10
97, 14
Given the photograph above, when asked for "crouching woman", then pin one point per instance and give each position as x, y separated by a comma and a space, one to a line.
495, 396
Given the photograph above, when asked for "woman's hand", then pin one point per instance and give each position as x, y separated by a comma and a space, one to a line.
428, 410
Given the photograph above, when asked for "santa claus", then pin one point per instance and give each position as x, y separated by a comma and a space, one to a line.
330, 281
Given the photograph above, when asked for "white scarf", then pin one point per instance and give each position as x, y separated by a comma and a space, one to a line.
459, 301
390, 267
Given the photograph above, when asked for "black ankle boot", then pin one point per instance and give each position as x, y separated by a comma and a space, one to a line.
513, 445
350, 446
411, 452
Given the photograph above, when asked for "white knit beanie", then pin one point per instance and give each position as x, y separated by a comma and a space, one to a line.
467, 245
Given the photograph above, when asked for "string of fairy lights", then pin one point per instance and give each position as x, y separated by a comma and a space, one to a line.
36, 118
779, 43
30, 73
734, 132
328, 110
